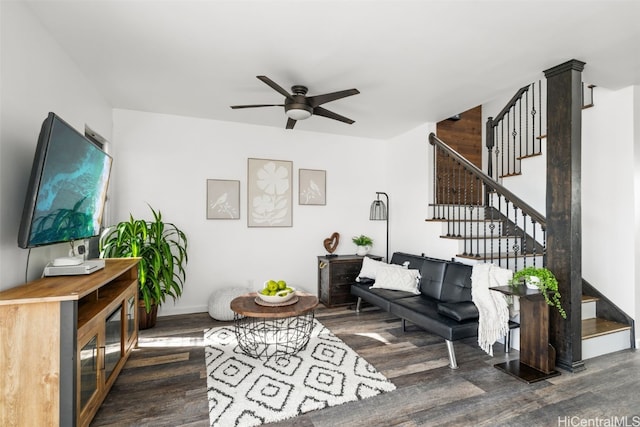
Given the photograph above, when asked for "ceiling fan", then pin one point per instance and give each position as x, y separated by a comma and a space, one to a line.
298, 106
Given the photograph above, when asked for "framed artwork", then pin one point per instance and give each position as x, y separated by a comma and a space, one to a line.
269, 198
223, 199
312, 189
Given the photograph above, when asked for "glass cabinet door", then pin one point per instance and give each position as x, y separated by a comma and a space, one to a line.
131, 316
88, 370
112, 342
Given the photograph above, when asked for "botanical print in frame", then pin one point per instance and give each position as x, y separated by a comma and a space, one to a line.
269, 197
223, 199
312, 188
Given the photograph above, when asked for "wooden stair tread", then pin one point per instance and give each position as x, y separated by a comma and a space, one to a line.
456, 205
496, 220
596, 327
511, 236
504, 255
588, 298
528, 156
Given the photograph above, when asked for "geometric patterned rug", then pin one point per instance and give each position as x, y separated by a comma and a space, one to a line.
244, 391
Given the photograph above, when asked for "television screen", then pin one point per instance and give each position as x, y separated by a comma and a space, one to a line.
67, 187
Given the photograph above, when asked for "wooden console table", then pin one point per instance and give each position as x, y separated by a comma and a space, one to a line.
537, 356
64, 341
335, 276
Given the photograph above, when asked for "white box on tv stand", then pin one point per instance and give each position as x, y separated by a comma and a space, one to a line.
87, 267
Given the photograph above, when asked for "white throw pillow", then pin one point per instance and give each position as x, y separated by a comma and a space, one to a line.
369, 268
397, 278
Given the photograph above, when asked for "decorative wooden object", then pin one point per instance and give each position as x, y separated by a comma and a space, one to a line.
335, 276
64, 341
331, 243
537, 355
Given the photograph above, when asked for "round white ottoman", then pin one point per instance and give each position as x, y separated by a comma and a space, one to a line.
220, 300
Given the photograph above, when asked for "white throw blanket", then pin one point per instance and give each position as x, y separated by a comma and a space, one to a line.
493, 321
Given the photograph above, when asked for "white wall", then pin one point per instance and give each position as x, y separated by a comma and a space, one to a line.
608, 202
36, 77
410, 184
636, 192
165, 161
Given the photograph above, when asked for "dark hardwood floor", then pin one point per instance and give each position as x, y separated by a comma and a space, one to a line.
164, 382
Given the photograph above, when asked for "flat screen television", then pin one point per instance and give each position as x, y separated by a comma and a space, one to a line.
67, 188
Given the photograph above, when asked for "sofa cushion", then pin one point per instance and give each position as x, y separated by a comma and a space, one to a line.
423, 311
456, 284
432, 273
459, 311
397, 278
407, 260
379, 297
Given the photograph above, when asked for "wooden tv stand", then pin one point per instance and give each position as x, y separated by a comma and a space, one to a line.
64, 340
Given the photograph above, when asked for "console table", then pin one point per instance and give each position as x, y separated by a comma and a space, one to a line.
537, 355
64, 341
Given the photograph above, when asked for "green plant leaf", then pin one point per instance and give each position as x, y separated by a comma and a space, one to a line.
162, 249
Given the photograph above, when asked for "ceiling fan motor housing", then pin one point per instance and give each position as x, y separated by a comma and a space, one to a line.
297, 102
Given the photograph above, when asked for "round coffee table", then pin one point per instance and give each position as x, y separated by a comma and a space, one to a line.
265, 330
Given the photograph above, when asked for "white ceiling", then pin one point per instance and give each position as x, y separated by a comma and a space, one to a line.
413, 61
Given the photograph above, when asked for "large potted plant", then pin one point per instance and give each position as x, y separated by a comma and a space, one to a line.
162, 249
543, 279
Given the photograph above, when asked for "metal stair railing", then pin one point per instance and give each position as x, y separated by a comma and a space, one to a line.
494, 224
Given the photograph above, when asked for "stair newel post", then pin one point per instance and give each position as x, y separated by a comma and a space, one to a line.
564, 222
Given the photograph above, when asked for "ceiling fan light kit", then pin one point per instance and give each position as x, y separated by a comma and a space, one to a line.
298, 113
298, 106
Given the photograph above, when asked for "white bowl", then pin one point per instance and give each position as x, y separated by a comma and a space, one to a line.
276, 298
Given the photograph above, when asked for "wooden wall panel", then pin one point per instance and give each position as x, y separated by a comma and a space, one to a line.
465, 137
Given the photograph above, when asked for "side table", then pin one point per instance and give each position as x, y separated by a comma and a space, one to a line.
537, 355
335, 276
264, 331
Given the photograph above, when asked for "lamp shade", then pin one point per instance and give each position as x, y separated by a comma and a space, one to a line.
378, 211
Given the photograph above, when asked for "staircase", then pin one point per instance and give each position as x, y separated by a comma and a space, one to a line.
601, 336
491, 224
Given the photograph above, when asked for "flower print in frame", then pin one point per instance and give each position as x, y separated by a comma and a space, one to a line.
269, 198
223, 199
312, 187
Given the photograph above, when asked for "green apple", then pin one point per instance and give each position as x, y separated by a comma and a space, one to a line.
272, 285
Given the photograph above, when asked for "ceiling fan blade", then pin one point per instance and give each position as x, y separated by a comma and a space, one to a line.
275, 86
235, 107
314, 101
319, 111
291, 123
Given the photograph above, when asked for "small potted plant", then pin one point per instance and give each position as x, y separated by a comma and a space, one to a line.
363, 243
541, 278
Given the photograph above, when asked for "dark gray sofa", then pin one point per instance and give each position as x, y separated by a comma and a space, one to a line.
443, 307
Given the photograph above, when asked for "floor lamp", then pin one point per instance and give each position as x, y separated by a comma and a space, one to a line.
380, 212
